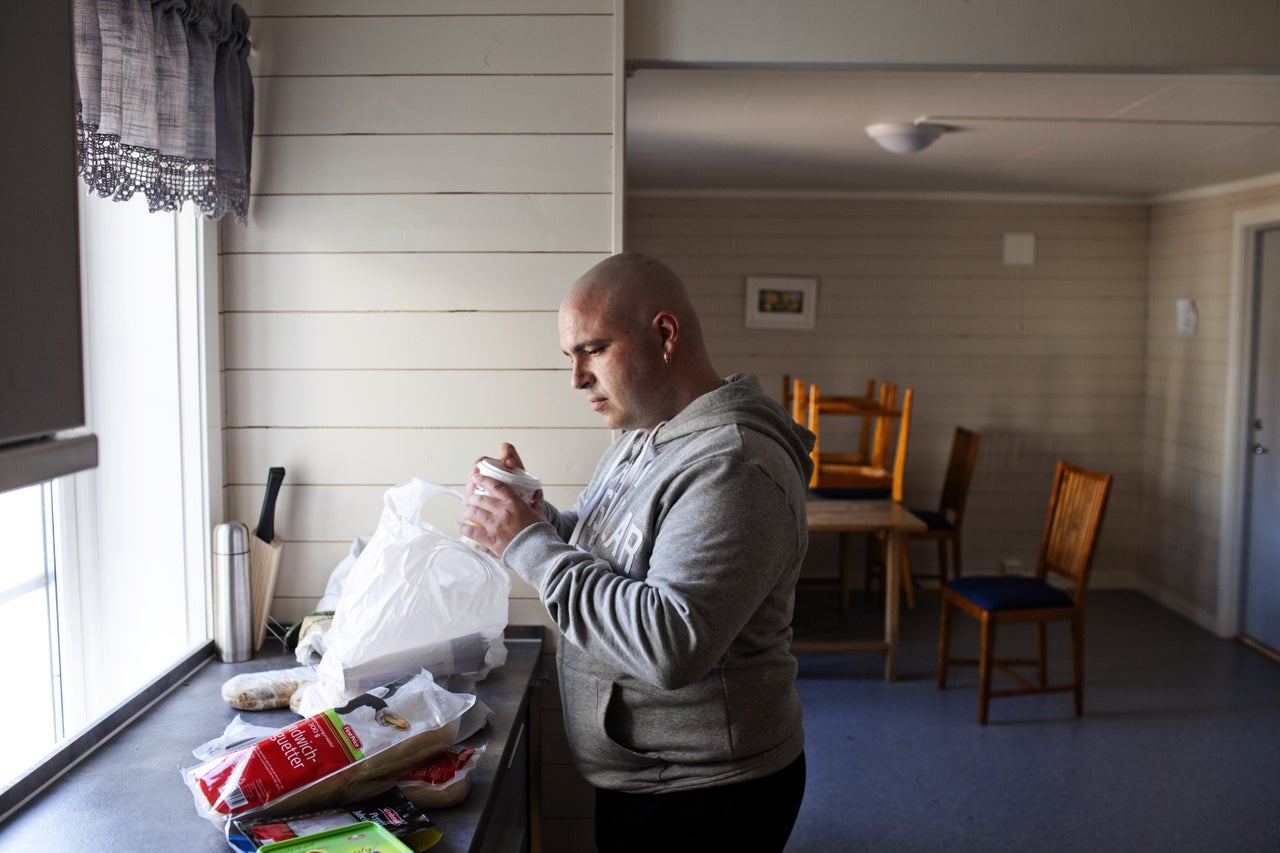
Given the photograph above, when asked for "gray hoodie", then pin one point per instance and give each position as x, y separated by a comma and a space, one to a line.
675, 598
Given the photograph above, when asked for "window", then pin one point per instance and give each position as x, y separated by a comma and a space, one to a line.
110, 586
28, 628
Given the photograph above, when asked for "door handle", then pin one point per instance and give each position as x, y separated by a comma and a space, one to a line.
1258, 450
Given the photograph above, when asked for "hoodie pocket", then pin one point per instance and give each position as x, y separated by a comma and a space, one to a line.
674, 726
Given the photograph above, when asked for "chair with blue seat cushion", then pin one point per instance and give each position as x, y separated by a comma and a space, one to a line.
1076, 506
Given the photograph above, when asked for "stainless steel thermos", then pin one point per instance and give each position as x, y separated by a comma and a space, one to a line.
232, 593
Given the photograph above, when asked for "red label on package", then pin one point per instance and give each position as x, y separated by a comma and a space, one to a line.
442, 768
293, 757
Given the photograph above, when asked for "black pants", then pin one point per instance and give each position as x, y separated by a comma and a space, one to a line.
754, 816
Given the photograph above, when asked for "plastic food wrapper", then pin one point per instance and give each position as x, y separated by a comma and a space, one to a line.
339, 755
443, 781
363, 837
308, 643
238, 733
261, 691
390, 809
414, 598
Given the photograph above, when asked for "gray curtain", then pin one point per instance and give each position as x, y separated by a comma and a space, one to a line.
165, 104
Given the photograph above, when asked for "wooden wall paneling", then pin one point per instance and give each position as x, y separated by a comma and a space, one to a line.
404, 398
392, 340
423, 223
429, 178
436, 44
1190, 252
404, 281
509, 163
375, 455
412, 104
1046, 361
308, 8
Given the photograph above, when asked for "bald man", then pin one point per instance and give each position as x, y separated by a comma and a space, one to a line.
672, 579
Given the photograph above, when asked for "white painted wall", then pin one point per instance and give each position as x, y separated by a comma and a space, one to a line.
1187, 405
1045, 361
428, 177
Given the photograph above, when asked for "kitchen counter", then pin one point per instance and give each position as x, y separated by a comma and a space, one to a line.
129, 793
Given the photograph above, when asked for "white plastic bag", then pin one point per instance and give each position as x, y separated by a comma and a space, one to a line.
415, 598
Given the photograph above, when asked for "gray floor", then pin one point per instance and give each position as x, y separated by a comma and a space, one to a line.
1178, 748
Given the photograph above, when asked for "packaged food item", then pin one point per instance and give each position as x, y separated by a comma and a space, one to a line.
366, 837
390, 809
444, 781
339, 755
261, 691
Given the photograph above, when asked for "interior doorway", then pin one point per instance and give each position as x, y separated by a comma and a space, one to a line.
1260, 564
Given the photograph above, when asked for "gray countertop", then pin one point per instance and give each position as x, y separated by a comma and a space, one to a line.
129, 793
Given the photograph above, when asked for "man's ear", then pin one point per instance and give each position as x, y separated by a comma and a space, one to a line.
668, 327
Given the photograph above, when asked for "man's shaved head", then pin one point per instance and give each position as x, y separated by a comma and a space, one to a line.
631, 288
635, 340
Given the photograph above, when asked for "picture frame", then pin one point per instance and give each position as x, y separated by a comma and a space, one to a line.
781, 302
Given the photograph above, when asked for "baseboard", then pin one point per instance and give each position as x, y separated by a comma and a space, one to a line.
1179, 605
1114, 580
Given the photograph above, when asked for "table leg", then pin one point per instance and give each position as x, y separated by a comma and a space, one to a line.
892, 572
846, 568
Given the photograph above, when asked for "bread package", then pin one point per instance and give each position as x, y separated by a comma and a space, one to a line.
342, 754
262, 691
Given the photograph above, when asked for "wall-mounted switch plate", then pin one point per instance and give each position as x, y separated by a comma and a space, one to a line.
1019, 250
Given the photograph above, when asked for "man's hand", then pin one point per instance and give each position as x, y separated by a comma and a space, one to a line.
495, 513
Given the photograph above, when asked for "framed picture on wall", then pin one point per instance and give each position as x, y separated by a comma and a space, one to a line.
781, 302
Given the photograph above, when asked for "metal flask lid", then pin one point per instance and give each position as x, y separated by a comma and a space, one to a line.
231, 537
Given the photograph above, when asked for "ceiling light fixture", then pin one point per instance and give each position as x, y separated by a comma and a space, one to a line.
902, 137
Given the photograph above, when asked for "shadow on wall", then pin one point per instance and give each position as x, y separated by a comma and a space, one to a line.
1008, 498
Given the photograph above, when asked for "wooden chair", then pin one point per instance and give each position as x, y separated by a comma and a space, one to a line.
795, 398
1076, 506
866, 408
878, 479
944, 523
878, 475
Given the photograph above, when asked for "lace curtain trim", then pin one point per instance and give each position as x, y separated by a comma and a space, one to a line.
165, 102
114, 170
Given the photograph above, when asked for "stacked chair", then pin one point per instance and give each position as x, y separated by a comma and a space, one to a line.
875, 470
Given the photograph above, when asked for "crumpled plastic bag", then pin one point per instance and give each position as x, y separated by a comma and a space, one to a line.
414, 598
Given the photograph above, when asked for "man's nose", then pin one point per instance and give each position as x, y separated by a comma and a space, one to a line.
578, 378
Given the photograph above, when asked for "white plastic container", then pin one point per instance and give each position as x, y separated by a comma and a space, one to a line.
521, 481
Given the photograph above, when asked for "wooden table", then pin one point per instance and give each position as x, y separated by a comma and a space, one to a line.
866, 516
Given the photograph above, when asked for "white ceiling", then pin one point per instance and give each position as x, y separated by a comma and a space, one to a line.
802, 130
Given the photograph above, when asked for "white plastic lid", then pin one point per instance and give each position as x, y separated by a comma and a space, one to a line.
517, 478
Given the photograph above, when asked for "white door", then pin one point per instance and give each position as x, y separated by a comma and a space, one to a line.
1261, 592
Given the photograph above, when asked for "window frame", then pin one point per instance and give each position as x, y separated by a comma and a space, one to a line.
200, 403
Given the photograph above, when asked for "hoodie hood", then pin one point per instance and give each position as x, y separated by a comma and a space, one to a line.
741, 401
